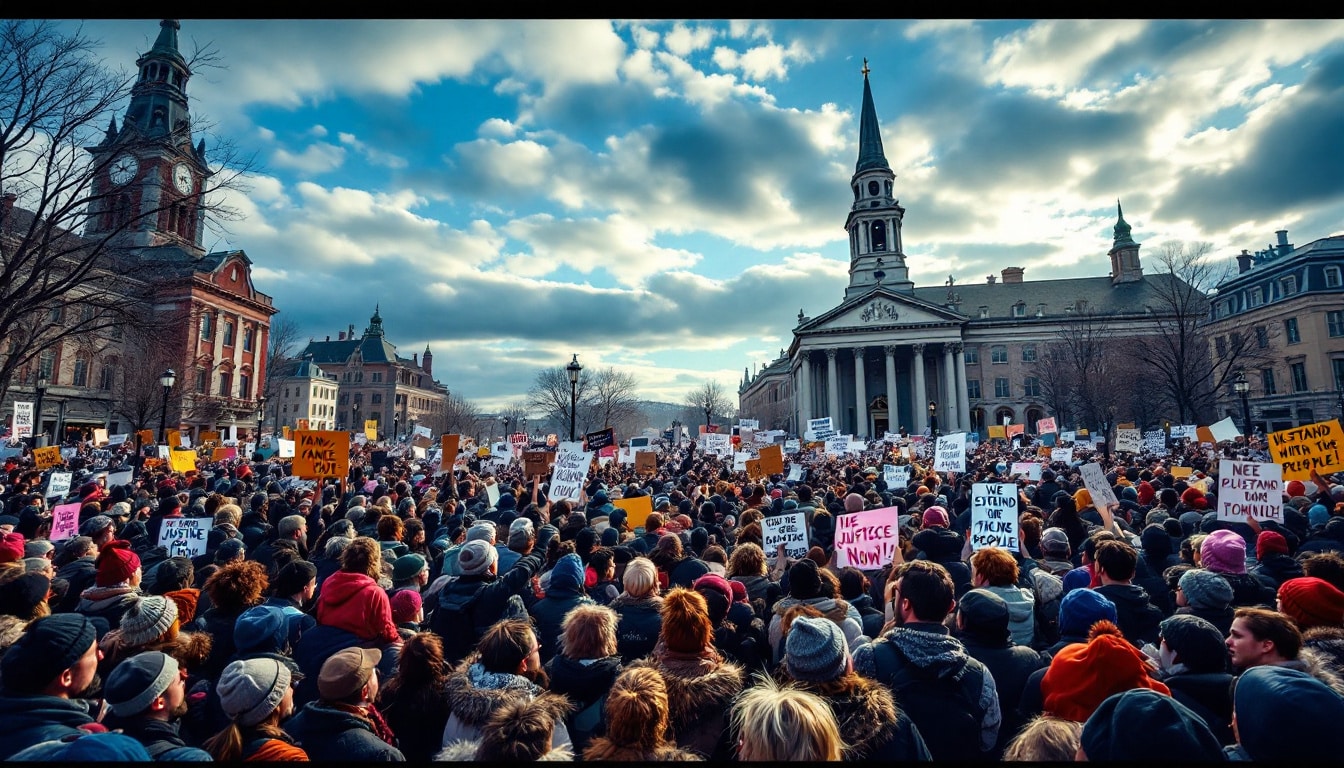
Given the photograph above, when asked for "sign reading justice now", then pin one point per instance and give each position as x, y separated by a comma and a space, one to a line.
866, 540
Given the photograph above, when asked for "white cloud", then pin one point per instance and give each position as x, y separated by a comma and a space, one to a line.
372, 155
684, 40
314, 159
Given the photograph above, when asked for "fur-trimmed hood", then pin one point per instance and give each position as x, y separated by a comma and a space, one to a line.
1316, 664
474, 694
624, 600
96, 599
865, 712
465, 752
696, 690
833, 609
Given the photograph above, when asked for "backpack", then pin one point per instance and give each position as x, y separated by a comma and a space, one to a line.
453, 621
946, 710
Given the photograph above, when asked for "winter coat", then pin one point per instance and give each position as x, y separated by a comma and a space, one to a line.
585, 685
638, 626
1137, 616
763, 589
495, 592
1010, 665
851, 623
32, 720
686, 571
107, 603
873, 727
354, 602
1276, 568
871, 616
220, 626
943, 546
1021, 612
80, 574
474, 694
328, 733
161, 739
1209, 694
417, 716
1250, 591
564, 594
299, 622
700, 693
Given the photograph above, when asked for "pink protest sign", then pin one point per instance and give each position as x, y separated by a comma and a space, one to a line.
866, 540
64, 521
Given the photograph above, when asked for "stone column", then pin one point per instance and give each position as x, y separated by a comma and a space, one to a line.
951, 418
833, 389
893, 421
963, 399
804, 393
860, 395
918, 397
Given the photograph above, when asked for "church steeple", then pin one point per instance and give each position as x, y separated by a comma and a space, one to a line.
1125, 266
875, 217
158, 105
375, 323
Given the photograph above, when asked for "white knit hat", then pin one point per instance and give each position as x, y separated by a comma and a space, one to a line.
250, 689
147, 619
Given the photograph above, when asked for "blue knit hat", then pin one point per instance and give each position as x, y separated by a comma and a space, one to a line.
568, 572
1082, 608
1318, 515
261, 628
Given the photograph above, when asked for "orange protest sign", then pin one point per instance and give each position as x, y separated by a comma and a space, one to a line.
319, 454
285, 433
1204, 435
224, 454
772, 460
151, 463
209, 437
145, 436
47, 457
997, 431
537, 462
637, 509
646, 461
448, 451
174, 438
1181, 471
753, 468
1015, 429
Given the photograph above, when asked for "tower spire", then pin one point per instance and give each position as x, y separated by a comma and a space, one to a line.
870, 137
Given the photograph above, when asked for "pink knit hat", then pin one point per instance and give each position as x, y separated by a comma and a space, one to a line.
934, 516
1224, 552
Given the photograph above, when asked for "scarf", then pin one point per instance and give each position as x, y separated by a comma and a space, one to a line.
375, 719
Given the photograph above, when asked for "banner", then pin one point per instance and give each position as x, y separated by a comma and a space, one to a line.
58, 484
536, 462
1046, 425
1250, 488
646, 461
47, 457
1130, 440
184, 536
793, 446
994, 516
1095, 482
600, 439
867, 540
182, 460
23, 420
896, 476
1300, 450
789, 529
637, 510
1030, 469
319, 454
65, 521
569, 472
772, 460
448, 451
950, 454
1063, 455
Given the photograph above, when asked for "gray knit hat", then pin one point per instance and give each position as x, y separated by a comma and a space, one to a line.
815, 649
1055, 541
476, 557
483, 530
250, 689
1205, 589
136, 682
147, 619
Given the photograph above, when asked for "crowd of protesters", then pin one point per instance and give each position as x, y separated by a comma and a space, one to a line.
404, 613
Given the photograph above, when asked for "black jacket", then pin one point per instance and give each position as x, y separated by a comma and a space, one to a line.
943, 546
417, 717
495, 592
1010, 666
1209, 694
80, 573
1138, 617
1277, 568
330, 734
638, 626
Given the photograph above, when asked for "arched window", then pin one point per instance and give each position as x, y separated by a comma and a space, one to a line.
877, 233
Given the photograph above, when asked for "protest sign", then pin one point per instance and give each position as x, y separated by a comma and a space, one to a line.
998, 431
1030, 469
891, 437
1301, 450
492, 493
601, 438
837, 445
448, 451
370, 429
23, 420
1128, 440
175, 438
1179, 472
99, 436
569, 472
319, 454
536, 462
209, 437
789, 529
184, 536
819, 429
224, 454
1046, 425
754, 469
417, 452
994, 515
1250, 488
58, 484
740, 461
749, 423
182, 460
950, 455
284, 448
1015, 429
119, 478
1184, 431
646, 461
793, 446
772, 460
866, 540
719, 443
423, 431
65, 521
47, 457
1155, 441
114, 440
637, 510
795, 472
896, 476
1224, 430
145, 436
1064, 455
1068, 436
1095, 481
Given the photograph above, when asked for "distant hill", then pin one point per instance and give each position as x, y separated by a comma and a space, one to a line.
661, 415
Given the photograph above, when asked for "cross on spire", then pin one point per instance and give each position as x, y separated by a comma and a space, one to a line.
865, 67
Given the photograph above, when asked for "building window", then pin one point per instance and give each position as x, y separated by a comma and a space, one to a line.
376, 398
228, 333
1001, 388
1333, 279
1290, 326
225, 384
1288, 285
81, 378
1220, 344
1338, 365
56, 315
247, 339
202, 381
244, 386
1032, 385
46, 364
359, 376
972, 355
1019, 310
1028, 353
1261, 337
107, 377
1256, 297
377, 377
206, 322
1299, 376
1267, 381
998, 354
973, 389
1335, 321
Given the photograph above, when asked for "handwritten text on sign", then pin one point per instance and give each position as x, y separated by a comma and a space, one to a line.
1249, 488
1301, 450
994, 516
867, 539
951, 453
788, 529
569, 472
64, 521
184, 536
321, 454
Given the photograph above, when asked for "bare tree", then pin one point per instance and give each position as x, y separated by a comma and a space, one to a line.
613, 401
1180, 353
58, 282
707, 400
281, 347
138, 390
549, 396
460, 416
1083, 372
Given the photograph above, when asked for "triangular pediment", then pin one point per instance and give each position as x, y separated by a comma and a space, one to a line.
880, 308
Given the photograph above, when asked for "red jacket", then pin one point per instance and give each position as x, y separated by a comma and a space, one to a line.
354, 602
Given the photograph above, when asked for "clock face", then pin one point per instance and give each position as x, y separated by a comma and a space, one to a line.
182, 178
123, 169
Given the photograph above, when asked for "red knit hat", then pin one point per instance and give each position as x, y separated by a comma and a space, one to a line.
1083, 675
116, 563
1312, 602
11, 547
1296, 488
1269, 542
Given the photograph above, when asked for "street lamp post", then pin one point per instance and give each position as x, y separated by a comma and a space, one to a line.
527, 435
1243, 388
261, 416
504, 427
167, 380
573, 369
358, 425
38, 427
933, 419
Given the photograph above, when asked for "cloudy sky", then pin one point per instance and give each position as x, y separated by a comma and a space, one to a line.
663, 197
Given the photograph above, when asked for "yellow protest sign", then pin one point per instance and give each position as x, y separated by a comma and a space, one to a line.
772, 460
637, 509
145, 436
284, 432
319, 454
448, 451
209, 437
1179, 472
182, 460
646, 461
1316, 447
997, 430
1082, 433
47, 457
370, 429
174, 438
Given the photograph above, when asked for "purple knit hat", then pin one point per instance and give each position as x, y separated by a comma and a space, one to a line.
1224, 552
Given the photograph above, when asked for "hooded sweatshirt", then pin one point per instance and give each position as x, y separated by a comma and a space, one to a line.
354, 602
563, 594
1021, 613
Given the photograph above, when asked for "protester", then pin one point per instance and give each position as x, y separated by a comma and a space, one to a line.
147, 697
257, 696
637, 720
783, 723
345, 724
48, 675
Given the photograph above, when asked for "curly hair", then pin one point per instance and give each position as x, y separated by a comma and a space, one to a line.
237, 586
637, 708
747, 560
996, 565
363, 555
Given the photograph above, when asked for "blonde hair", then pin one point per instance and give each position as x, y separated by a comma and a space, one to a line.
641, 577
785, 723
588, 632
1045, 739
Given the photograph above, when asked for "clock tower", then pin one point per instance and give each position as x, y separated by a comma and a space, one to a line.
151, 177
